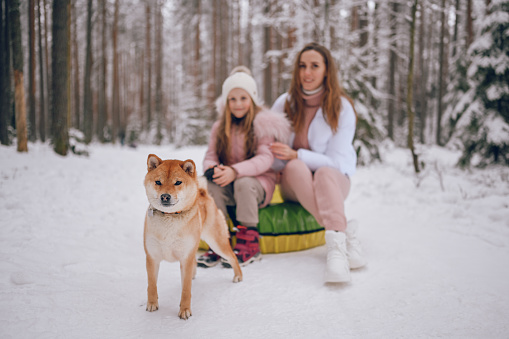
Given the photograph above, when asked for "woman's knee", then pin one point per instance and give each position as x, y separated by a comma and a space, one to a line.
330, 178
327, 173
295, 166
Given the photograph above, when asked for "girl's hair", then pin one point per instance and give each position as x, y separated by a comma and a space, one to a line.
331, 103
223, 140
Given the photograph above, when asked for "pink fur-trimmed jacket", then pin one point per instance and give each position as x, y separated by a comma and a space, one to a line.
269, 126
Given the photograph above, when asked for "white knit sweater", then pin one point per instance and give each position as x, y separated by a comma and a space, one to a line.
327, 148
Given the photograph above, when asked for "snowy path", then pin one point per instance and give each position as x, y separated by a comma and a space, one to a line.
72, 260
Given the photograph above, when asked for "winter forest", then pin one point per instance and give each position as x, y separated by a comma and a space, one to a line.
432, 72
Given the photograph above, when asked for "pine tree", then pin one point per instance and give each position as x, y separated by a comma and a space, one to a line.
485, 127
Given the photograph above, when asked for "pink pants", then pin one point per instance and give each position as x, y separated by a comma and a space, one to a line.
322, 193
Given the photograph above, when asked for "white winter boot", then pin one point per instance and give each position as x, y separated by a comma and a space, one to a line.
337, 269
353, 246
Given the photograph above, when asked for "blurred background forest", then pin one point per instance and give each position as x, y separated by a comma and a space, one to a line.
420, 72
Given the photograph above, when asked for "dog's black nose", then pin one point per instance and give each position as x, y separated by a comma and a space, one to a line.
165, 198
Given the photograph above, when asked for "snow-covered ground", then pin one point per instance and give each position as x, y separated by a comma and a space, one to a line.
72, 263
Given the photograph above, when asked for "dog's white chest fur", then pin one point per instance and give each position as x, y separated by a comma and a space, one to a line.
165, 238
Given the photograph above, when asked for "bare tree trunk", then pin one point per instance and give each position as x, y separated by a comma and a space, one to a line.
440, 75
248, 45
32, 126
223, 51
456, 24
427, 70
354, 22
392, 72
42, 95
77, 106
115, 96
376, 51
19, 88
212, 70
421, 81
47, 72
363, 24
409, 99
69, 66
240, 52
470, 30
159, 72
333, 38
148, 112
87, 87
102, 119
197, 46
220, 52
267, 42
5, 76
60, 78
142, 87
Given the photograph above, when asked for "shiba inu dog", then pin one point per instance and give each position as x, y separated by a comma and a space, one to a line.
180, 213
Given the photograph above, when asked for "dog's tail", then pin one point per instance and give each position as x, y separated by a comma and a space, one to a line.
202, 183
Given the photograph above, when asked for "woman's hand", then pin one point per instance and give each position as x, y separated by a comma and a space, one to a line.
224, 175
283, 151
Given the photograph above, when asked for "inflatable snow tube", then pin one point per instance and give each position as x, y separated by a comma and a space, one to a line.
288, 227
283, 227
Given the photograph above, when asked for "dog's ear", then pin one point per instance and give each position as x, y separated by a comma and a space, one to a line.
153, 161
189, 167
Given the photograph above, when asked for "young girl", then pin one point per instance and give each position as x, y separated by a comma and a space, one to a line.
241, 160
321, 158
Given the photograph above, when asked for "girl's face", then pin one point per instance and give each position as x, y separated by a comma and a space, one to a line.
239, 102
312, 70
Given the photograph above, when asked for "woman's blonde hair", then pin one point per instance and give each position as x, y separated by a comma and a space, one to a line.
331, 103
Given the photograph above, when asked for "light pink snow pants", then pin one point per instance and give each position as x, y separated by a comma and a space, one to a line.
322, 193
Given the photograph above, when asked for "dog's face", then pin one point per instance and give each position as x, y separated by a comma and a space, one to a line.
171, 185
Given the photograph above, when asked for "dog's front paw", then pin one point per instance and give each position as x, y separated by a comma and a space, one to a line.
151, 307
185, 313
237, 278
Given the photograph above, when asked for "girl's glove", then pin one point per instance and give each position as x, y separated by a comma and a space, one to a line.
209, 173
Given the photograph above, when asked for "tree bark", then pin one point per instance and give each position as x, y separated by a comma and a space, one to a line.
148, 113
4, 76
115, 105
60, 78
267, 46
197, 46
87, 88
102, 119
392, 73
17, 63
47, 72
42, 86
409, 98
470, 30
159, 73
440, 75
211, 93
421, 83
456, 24
77, 121
32, 126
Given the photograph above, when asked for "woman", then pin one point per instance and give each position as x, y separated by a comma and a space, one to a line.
321, 158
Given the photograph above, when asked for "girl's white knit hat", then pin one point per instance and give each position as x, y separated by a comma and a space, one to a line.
240, 77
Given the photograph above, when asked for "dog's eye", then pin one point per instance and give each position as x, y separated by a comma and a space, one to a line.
158, 183
178, 183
